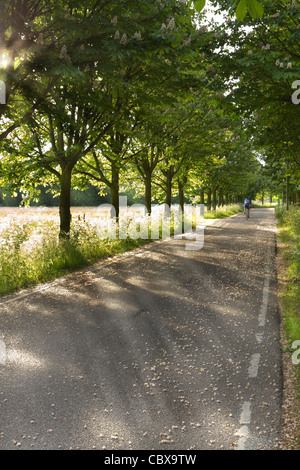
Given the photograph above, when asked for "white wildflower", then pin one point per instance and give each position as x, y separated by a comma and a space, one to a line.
117, 34
137, 36
123, 39
187, 41
171, 24
114, 20
289, 65
64, 54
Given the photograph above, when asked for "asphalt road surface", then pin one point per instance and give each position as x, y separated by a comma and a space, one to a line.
161, 348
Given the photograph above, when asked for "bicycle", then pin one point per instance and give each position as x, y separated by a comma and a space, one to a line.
247, 212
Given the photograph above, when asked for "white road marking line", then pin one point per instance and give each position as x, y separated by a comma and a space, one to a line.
246, 413
245, 419
15, 297
263, 310
2, 353
243, 432
262, 316
253, 368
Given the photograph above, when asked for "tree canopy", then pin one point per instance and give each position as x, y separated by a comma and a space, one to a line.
152, 96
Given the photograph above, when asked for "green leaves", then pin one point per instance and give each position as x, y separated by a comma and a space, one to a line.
199, 5
253, 7
241, 10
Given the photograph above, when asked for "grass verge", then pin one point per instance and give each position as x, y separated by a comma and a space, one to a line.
31, 253
221, 212
289, 296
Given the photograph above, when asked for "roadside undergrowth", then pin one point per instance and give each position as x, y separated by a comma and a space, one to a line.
289, 296
31, 253
221, 212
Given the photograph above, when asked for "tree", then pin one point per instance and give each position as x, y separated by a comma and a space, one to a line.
158, 78
90, 91
261, 66
33, 33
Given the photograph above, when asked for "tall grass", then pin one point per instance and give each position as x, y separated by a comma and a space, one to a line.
31, 252
221, 212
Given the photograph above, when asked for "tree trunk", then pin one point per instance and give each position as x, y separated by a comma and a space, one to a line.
181, 195
148, 193
220, 199
65, 202
115, 188
209, 199
214, 199
168, 189
202, 196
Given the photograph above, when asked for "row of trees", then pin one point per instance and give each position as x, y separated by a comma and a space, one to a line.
263, 60
143, 95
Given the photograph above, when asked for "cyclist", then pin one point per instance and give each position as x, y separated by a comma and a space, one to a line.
247, 204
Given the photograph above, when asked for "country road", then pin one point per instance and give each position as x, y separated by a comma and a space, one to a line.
159, 348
